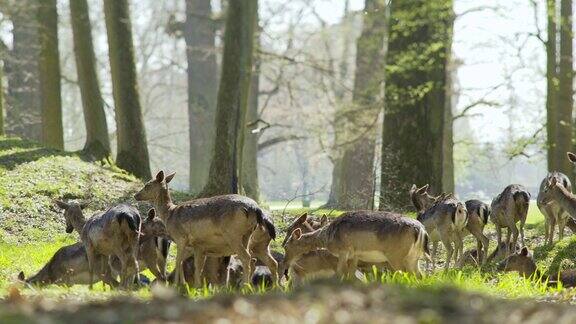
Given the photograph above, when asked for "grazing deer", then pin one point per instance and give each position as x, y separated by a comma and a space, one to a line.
114, 233
421, 198
153, 248
523, 262
509, 208
552, 211
313, 264
478, 213
445, 221
367, 236
500, 253
217, 226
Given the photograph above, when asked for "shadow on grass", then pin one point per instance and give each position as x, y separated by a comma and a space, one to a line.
558, 256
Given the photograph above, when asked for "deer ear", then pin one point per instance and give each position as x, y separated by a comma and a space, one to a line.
324, 220
297, 234
151, 213
572, 157
524, 251
302, 218
61, 204
21, 276
423, 190
160, 176
170, 177
553, 182
413, 189
84, 204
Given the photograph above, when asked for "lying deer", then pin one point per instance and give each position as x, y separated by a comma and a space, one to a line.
472, 258
552, 211
445, 221
114, 232
366, 236
218, 226
153, 249
523, 263
509, 208
69, 265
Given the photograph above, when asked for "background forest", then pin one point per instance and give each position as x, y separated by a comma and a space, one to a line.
457, 93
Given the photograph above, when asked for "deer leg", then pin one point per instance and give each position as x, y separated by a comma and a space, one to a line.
342, 264
91, 255
498, 235
269, 261
514, 230
522, 222
179, 267
352, 266
199, 262
449, 251
561, 224
434, 253
548, 228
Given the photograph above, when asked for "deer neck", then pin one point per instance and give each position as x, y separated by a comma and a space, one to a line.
566, 200
78, 223
316, 239
164, 205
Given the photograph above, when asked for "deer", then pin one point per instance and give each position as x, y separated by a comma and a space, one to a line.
478, 213
471, 257
508, 208
152, 251
114, 232
217, 226
445, 222
69, 265
552, 211
523, 263
368, 236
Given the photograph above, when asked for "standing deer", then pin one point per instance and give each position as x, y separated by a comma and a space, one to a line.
218, 226
445, 221
114, 233
552, 211
367, 236
153, 248
421, 198
478, 213
509, 208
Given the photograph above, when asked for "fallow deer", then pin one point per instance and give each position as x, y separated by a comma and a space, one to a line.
552, 211
367, 236
509, 208
478, 213
217, 226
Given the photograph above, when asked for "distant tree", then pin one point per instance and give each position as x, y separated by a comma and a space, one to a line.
200, 36
357, 179
225, 169
565, 91
417, 105
49, 65
132, 146
2, 130
551, 85
23, 113
97, 141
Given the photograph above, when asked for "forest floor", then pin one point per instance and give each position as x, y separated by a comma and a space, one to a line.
31, 230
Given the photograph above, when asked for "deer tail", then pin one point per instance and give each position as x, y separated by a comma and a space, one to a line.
264, 220
132, 222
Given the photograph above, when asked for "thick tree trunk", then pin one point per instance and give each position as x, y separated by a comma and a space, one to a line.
2, 131
132, 150
357, 166
23, 113
415, 122
200, 34
250, 164
97, 141
565, 99
551, 86
49, 66
225, 169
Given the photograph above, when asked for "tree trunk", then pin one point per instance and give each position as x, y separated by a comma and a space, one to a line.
551, 86
565, 100
23, 113
49, 66
416, 121
200, 34
250, 164
225, 169
357, 166
2, 131
132, 150
97, 141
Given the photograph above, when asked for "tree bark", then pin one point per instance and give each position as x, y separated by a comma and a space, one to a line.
357, 166
250, 164
565, 92
23, 113
132, 149
97, 141
49, 64
416, 119
225, 169
2, 130
200, 34
551, 86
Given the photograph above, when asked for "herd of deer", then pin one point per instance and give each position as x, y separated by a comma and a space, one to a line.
226, 239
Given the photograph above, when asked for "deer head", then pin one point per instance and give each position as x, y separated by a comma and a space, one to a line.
153, 226
521, 262
154, 188
72, 213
